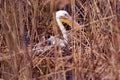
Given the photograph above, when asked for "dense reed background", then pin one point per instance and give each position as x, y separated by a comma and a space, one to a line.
92, 53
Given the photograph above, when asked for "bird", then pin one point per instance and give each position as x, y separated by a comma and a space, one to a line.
62, 16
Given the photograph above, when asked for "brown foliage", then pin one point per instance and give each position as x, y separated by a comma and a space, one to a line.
92, 53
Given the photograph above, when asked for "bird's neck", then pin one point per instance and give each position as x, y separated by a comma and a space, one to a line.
62, 28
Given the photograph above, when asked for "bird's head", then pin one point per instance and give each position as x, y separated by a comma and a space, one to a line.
64, 16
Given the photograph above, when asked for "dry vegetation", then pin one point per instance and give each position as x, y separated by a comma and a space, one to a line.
92, 53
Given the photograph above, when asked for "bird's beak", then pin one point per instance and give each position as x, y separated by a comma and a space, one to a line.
70, 22
65, 20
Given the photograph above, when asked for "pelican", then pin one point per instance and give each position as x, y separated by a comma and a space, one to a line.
61, 16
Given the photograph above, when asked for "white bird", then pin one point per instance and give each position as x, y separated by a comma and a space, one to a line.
61, 16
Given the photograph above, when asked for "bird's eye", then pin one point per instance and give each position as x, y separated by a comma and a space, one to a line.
65, 14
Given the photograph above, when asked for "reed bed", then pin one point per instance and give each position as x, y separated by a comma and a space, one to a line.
92, 53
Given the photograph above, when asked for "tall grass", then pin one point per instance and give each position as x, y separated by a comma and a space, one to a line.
92, 53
